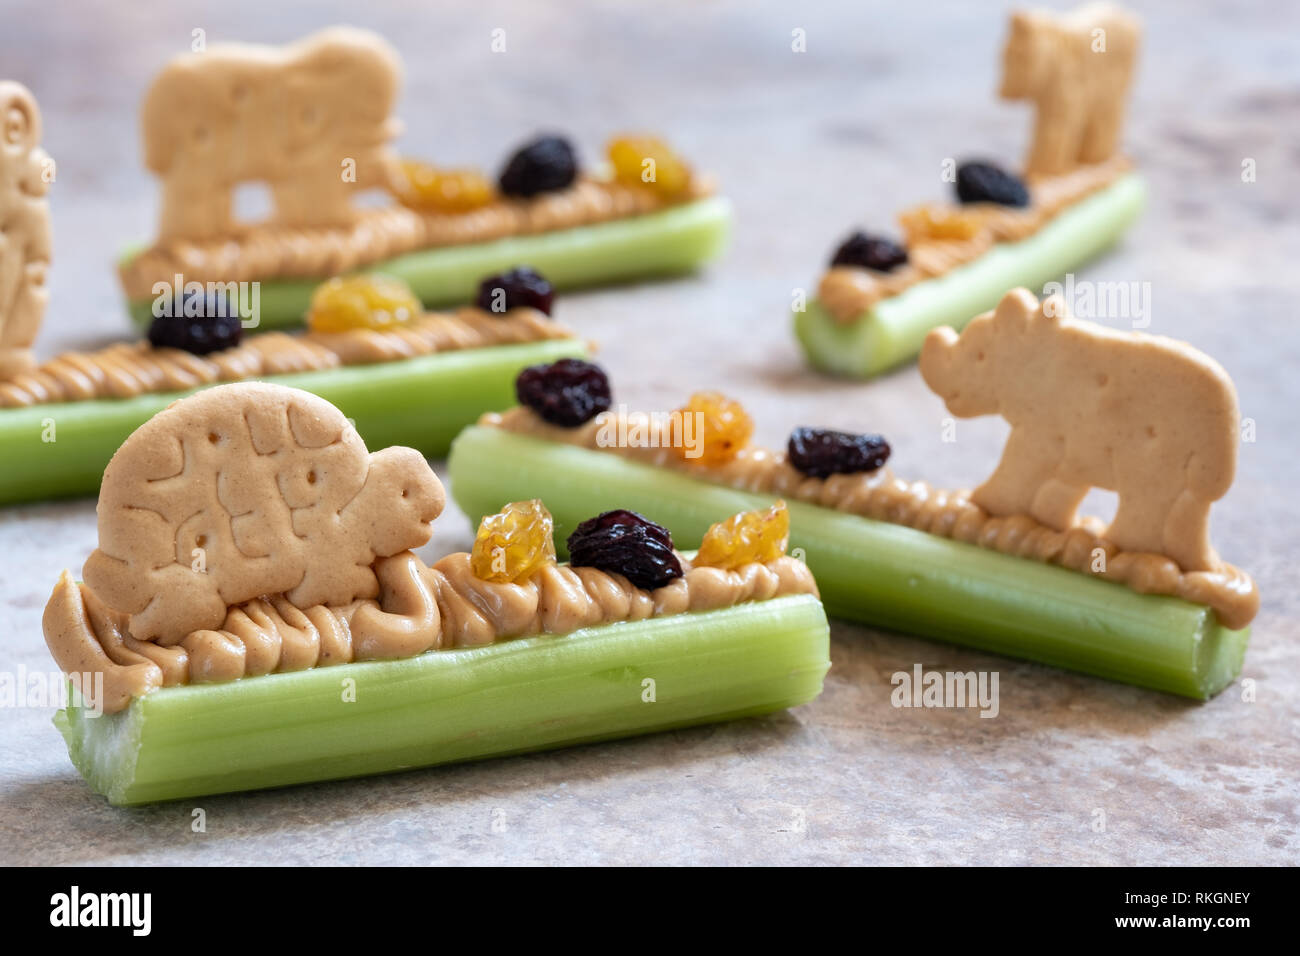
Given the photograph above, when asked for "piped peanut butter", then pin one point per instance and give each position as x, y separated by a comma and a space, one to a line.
269, 251
1150, 418
125, 370
420, 609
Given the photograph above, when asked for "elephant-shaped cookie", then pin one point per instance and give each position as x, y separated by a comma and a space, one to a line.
1147, 417
246, 490
1077, 69
26, 172
313, 120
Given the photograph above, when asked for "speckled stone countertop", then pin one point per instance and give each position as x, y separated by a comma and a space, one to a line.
808, 145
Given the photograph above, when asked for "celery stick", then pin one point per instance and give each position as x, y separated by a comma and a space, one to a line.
669, 242
892, 332
878, 573
422, 402
514, 696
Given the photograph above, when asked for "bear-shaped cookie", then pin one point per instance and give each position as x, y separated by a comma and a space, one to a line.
1076, 68
26, 172
1148, 417
245, 490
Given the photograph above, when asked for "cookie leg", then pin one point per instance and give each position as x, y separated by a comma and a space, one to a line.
1139, 523
1028, 462
1057, 502
1186, 533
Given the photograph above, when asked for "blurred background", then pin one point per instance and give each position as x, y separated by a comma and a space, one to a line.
808, 145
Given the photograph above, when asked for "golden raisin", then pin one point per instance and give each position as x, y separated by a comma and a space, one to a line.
750, 536
372, 301
930, 223
713, 429
650, 162
422, 186
514, 543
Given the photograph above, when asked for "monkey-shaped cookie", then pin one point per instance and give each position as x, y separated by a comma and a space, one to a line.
26, 172
1077, 69
313, 120
1148, 417
246, 490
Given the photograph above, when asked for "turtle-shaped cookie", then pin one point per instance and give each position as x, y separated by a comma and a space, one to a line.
246, 490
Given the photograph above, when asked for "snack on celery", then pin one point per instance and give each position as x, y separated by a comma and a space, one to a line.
268, 624
878, 300
413, 379
55, 451
442, 231
671, 242
1008, 568
890, 331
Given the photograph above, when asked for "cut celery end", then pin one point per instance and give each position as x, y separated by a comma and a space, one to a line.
61, 449
670, 242
892, 331
530, 694
881, 574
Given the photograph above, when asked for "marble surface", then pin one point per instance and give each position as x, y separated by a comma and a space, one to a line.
1072, 770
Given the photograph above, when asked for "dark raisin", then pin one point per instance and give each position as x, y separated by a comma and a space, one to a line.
819, 452
515, 289
987, 182
546, 164
200, 324
871, 252
568, 392
626, 543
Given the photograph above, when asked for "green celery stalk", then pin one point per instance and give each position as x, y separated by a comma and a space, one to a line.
421, 402
878, 573
892, 331
511, 697
670, 242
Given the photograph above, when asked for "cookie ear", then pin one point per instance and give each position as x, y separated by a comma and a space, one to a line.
1016, 310
1052, 309
20, 118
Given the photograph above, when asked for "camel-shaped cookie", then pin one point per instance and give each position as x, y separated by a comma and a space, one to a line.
1148, 417
25, 177
246, 490
312, 119
1077, 69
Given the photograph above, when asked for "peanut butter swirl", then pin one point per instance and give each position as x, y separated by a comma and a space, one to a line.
127, 369
419, 609
848, 291
273, 251
879, 495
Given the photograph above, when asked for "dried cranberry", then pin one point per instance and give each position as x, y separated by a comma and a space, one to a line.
199, 324
546, 164
987, 182
626, 543
568, 392
870, 252
819, 452
518, 288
